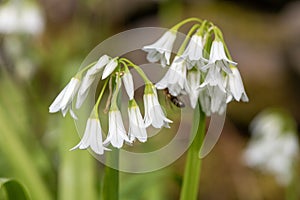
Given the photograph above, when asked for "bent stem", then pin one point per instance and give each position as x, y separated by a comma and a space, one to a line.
192, 170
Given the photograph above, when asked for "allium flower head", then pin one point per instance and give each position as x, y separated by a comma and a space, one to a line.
153, 112
63, 101
161, 50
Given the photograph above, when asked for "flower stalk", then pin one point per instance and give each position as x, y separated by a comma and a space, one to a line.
189, 189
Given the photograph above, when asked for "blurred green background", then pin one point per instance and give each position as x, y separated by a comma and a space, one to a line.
37, 59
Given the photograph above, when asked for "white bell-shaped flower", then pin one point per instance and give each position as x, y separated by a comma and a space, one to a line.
235, 86
161, 50
153, 112
90, 78
63, 101
110, 67
137, 128
116, 131
194, 52
92, 137
128, 84
175, 78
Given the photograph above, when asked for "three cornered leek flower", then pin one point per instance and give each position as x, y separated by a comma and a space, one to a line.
194, 52
63, 102
161, 50
113, 72
89, 79
128, 83
222, 80
175, 78
212, 77
137, 127
92, 136
116, 130
154, 114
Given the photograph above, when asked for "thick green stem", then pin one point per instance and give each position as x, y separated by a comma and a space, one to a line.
110, 183
189, 190
110, 188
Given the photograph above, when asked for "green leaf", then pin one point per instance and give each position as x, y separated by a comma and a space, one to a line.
13, 189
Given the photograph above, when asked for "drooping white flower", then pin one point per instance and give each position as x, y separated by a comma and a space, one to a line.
175, 78
128, 84
161, 50
89, 79
137, 128
110, 67
217, 64
218, 56
194, 52
193, 81
92, 137
214, 77
235, 86
273, 147
218, 100
64, 99
153, 112
116, 131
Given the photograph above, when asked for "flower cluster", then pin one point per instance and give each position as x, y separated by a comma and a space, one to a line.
202, 68
273, 147
112, 72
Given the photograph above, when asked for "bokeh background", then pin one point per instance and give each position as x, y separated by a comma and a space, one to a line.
42, 44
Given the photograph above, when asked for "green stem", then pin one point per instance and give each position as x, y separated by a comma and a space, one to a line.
177, 26
137, 68
110, 183
110, 188
99, 98
84, 69
187, 38
189, 190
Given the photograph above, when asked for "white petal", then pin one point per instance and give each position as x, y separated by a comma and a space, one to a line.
128, 83
236, 86
55, 106
161, 49
71, 90
92, 137
137, 128
110, 67
103, 60
117, 133
65, 97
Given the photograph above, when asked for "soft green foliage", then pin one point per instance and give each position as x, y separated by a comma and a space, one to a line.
12, 190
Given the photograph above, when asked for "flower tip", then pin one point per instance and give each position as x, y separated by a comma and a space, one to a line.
74, 148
